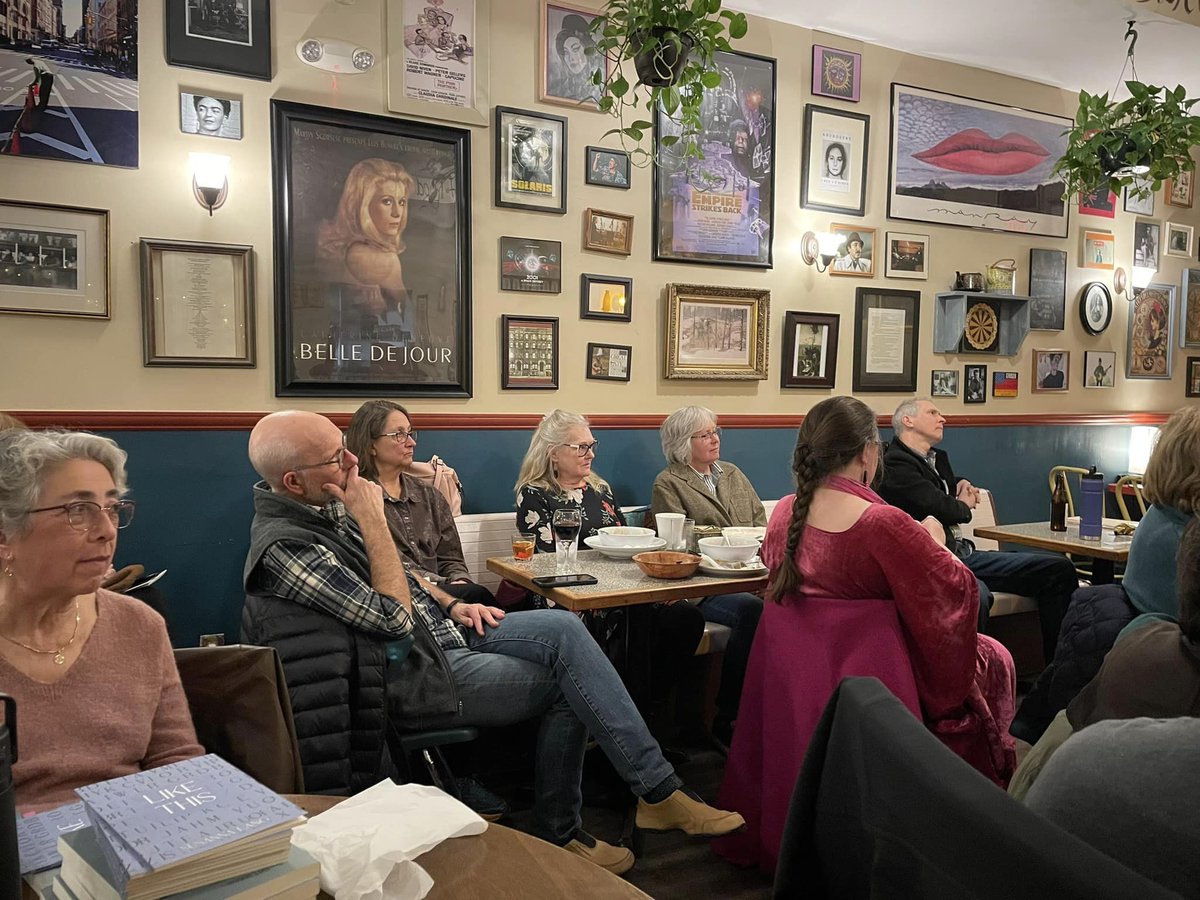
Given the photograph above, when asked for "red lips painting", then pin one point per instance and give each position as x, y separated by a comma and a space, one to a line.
974, 152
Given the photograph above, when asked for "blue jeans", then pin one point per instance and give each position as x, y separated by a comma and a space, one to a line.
544, 663
740, 613
1048, 578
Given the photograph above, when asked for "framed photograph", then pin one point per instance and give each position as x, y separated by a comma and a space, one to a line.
607, 168
1179, 192
531, 160
937, 173
1098, 250
1047, 289
1051, 370
1005, 384
197, 304
886, 331
530, 264
907, 255
716, 333
565, 67
836, 73
53, 260
606, 297
1101, 202
810, 345
1179, 240
944, 383
608, 232
608, 362
1139, 205
1145, 243
833, 169
1095, 307
372, 255
528, 353
210, 115
234, 38
974, 384
1191, 386
1099, 368
856, 252
1149, 349
1189, 309
438, 59
721, 210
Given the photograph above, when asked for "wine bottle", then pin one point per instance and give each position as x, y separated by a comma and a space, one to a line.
1058, 503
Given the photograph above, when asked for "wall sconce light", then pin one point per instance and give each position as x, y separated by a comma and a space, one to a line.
819, 248
1120, 281
210, 181
1142, 276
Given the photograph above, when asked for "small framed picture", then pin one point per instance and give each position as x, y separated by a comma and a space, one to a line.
1004, 384
1095, 307
530, 264
810, 346
1145, 244
1099, 368
833, 173
974, 384
907, 255
607, 168
1139, 205
566, 57
836, 73
606, 297
856, 252
608, 232
1179, 240
531, 160
528, 353
230, 37
1189, 309
608, 362
1100, 202
1098, 249
209, 115
1178, 191
1051, 370
1191, 386
944, 383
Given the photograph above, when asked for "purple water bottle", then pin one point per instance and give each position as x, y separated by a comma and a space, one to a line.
1091, 505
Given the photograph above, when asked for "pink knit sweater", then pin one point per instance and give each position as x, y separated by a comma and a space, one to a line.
120, 708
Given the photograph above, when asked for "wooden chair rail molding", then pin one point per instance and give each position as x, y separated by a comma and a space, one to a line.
178, 420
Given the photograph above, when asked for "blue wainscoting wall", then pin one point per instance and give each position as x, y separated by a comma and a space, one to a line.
194, 509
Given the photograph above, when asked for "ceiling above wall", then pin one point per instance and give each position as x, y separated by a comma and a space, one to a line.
1072, 44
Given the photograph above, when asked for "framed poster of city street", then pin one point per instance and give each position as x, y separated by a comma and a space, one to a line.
887, 326
721, 209
1151, 342
959, 161
833, 167
716, 333
372, 254
528, 353
53, 260
810, 345
531, 160
230, 36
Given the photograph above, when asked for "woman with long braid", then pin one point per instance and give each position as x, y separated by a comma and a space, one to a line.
857, 587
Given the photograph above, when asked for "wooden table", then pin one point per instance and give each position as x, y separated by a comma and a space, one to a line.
1105, 553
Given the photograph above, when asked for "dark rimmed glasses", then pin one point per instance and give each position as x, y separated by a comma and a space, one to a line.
336, 461
583, 449
83, 514
399, 436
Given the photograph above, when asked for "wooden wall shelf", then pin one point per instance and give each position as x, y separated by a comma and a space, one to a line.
949, 319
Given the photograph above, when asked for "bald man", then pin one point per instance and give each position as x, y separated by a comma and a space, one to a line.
325, 586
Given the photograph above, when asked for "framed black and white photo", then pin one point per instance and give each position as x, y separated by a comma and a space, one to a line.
608, 362
833, 163
1179, 240
907, 255
1139, 205
528, 353
1047, 289
944, 383
1099, 368
531, 160
1178, 191
1095, 307
974, 384
530, 264
1051, 370
810, 346
607, 168
53, 260
565, 65
1146, 244
209, 115
233, 36
887, 325
606, 297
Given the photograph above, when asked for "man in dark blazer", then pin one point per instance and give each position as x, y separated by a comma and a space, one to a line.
918, 479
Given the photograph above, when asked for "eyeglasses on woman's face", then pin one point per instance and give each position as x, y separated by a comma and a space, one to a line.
82, 515
583, 449
400, 436
707, 435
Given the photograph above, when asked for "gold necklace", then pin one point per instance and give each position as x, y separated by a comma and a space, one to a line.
59, 659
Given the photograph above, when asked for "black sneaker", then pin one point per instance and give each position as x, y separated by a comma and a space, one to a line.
486, 804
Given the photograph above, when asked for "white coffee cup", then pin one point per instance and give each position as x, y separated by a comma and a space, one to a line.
670, 528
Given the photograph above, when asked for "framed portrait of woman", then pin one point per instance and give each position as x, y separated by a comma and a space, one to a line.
372, 254
565, 65
833, 174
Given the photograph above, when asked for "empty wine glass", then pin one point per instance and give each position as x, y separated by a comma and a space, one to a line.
566, 524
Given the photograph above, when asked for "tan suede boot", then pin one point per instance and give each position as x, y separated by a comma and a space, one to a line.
685, 813
617, 860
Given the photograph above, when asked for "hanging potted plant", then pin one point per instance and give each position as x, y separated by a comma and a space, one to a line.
672, 44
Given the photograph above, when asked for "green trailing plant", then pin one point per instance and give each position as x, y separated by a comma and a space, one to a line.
677, 42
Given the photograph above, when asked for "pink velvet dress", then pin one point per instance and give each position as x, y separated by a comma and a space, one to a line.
879, 599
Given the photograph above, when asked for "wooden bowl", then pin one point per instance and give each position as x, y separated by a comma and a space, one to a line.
667, 563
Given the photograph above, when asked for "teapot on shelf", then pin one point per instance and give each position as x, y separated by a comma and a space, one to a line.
968, 281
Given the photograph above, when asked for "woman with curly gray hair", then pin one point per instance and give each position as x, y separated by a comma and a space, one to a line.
92, 672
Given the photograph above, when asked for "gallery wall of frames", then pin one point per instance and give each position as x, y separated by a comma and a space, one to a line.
420, 201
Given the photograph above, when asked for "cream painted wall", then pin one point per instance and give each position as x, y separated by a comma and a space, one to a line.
74, 364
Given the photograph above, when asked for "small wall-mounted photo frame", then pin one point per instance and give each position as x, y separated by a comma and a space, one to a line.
836, 73
605, 297
1146, 236
531, 160
1178, 191
1098, 249
944, 383
210, 115
1139, 205
1189, 309
529, 353
1191, 386
607, 232
607, 168
531, 265
974, 384
856, 252
53, 260
1004, 384
1100, 202
1051, 370
810, 348
1099, 368
234, 38
907, 255
608, 362
1179, 240
1095, 307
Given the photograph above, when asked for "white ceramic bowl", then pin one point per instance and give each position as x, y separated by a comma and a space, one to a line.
728, 550
740, 532
630, 536
615, 547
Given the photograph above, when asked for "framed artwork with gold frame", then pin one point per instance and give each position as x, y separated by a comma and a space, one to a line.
716, 333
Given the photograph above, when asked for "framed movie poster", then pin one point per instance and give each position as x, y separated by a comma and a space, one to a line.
833, 168
209, 115
606, 297
836, 73
1151, 343
1099, 368
959, 161
887, 326
531, 160
721, 209
608, 362
1189, 309
528, 353
230, 37
716, 333
565, 67
530, 264
810, 346
1047, 289
372, 254
53, 260
907, 255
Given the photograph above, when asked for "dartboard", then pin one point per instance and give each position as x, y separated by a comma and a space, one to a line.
981, 326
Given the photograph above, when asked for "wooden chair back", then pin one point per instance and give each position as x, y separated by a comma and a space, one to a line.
1069, 470
1135, 483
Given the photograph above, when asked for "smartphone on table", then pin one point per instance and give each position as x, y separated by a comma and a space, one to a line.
558, 581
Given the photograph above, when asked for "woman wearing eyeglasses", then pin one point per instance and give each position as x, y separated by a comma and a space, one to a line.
93, 674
